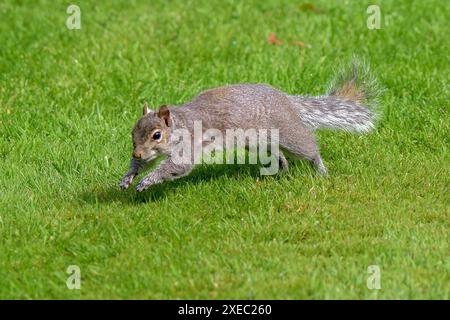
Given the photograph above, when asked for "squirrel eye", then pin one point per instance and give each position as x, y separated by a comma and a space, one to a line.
156, 135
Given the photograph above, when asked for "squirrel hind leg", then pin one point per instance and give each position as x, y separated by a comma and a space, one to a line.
306, 149
282, 162
318, 163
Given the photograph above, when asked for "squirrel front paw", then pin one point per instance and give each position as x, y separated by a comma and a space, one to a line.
144, 184
126, 181
141, 187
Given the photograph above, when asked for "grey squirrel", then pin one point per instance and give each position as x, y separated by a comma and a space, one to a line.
348, 105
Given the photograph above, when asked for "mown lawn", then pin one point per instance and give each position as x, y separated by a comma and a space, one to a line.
69, 98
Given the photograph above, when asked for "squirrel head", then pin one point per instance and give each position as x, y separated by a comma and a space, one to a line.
151, 134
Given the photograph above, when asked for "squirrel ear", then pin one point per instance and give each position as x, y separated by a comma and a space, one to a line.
146, 109
164, 114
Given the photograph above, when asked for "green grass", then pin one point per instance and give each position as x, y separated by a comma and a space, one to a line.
68, 101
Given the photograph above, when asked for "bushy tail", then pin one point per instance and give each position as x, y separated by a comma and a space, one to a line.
349, 104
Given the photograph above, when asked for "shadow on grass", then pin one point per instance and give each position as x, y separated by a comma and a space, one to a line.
202, 173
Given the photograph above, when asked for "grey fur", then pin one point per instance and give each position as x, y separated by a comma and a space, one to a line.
255, 106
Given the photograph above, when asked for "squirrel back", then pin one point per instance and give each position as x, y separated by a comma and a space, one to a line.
349, 105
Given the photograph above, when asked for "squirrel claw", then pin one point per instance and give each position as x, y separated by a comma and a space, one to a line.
141, 187
125, 183
144, 184
123, 186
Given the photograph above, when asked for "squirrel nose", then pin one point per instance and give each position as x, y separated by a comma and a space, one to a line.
137, 154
